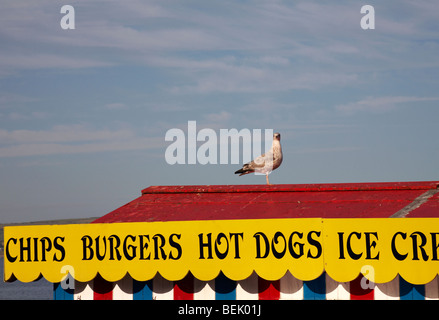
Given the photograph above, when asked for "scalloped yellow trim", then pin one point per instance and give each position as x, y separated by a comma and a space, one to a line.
378, 248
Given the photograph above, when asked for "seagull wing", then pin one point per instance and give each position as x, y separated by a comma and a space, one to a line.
250, 167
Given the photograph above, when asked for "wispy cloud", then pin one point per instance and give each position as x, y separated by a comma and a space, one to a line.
379, 104
62, 133
233, 42
116, 106
41, 61
326, 150
71, 139
260, 75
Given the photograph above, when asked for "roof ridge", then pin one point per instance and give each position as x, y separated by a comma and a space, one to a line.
367, 186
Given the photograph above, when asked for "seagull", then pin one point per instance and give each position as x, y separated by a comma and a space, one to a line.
267, 162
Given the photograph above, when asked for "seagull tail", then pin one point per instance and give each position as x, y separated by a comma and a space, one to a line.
243, 171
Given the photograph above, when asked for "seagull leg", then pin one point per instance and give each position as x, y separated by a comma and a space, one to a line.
266, 176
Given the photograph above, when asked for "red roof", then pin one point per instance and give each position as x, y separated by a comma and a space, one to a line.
222, 202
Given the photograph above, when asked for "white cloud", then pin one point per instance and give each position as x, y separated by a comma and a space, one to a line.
379, 104
62, 133
326, 150
271, 46
241, 76
24, 150
71, 139
116, 106
34, 115
42, 60
218, 117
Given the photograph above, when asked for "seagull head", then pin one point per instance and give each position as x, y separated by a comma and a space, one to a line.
276, 136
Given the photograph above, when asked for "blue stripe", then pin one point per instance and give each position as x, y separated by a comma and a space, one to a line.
408, 291
315, 289
225, 289
60, 294
142, 290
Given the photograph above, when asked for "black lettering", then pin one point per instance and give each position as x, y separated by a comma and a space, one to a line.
60, 248
219, 254
291, 246
258, 236
341, 245
434, 246
175, 245
351, 253
158, 246
420, 246
277, 254
144, 247
395, 252
236, 239
87, 251
114, 248
45, 249
8, 253
207, 245
129, 251
24, 249
98, 252
370, 245
36, 249
315, 244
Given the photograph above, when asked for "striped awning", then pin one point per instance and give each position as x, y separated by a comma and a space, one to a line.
253, 288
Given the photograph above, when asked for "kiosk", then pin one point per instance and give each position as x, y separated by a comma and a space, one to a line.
315, 241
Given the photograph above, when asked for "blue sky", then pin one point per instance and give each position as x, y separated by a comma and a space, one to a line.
84, 112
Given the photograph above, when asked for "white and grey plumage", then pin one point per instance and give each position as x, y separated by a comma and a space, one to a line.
267, 162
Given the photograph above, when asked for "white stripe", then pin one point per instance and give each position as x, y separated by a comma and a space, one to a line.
291, 288
337, 290
388, 290
247, 289
162, 288
83, 290
415, 204
204, 290
432, 289
123, 290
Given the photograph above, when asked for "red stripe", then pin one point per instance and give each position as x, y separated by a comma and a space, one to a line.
184, 288
268, 290
102, 289
358, 293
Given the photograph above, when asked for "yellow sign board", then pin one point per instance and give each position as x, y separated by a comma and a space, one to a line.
378, 248
382, 248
